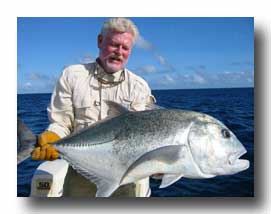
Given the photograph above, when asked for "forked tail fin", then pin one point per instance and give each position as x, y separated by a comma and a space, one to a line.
26, 141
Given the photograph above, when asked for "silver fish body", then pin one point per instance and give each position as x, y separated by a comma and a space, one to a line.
135, 145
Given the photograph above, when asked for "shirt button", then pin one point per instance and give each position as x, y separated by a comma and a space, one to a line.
97, 103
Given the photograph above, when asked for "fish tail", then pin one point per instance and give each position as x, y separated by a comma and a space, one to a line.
26, 141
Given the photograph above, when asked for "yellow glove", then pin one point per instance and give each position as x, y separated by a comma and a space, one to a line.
44, 151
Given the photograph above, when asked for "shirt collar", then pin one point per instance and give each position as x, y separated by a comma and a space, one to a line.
107, 78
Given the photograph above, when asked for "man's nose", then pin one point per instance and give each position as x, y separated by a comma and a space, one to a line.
119, 50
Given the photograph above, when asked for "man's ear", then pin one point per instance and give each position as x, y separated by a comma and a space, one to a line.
99, 40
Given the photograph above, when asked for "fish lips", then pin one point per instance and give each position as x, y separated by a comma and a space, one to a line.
236, 163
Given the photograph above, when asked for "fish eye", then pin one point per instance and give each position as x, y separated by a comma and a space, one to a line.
225, 133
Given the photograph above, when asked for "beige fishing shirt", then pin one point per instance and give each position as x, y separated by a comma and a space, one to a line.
79, 98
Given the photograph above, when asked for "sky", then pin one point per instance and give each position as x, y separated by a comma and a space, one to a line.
171, 53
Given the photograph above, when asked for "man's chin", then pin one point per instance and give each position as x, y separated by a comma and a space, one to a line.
112, 68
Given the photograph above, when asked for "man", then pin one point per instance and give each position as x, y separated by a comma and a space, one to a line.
79, 98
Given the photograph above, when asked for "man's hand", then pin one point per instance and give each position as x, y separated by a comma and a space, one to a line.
44, 151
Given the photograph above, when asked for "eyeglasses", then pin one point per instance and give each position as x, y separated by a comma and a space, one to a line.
101, 77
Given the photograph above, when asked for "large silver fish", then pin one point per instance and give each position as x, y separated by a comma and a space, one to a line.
135, 145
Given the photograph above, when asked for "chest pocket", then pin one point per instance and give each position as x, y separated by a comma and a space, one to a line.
81, 101
85, 112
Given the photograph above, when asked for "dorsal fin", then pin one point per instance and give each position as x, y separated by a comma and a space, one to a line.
116, 108
152, 106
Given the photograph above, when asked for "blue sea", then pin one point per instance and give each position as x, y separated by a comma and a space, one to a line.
234, 107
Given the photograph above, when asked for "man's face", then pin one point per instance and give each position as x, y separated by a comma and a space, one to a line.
115, 49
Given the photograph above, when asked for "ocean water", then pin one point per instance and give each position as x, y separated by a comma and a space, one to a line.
234, 107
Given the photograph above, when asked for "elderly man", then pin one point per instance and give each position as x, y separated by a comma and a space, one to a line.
78, 100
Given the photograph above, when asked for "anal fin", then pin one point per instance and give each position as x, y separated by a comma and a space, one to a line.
169, 179
105, 187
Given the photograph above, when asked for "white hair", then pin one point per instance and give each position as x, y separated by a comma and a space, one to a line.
120, 25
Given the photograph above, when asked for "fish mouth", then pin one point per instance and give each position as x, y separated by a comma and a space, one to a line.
236, 162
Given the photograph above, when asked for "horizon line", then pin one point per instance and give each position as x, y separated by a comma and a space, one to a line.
158, 89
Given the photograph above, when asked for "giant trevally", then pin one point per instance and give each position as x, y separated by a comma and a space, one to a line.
135, 145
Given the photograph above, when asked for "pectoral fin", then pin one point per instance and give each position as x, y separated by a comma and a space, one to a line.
169, 179
167, 155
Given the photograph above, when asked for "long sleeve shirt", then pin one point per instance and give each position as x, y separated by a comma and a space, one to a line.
78, 99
